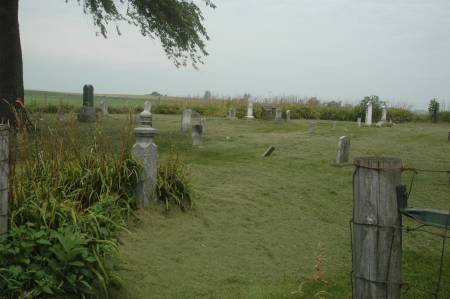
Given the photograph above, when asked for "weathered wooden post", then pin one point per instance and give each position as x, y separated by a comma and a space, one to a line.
145, 150
377, 235
4, 177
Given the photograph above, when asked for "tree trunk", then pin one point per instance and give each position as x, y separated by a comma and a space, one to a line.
11, 71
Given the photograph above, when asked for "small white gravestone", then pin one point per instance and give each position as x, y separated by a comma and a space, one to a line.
186, 120
203, 123
369, 114
343, 151
197, 132
288, 115
359, 121
333, 126
145, 151
384, 113
278, 114
104, 108
249, 111
232, 113
312, 127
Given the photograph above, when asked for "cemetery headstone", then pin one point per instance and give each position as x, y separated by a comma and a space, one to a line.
203, 123
104, 108
268, 112
186, 120
197, 132
369, 114
312, 127
288, 115
87, 113
333, 126
4, 177
269, 151
145, 151
343, 151
145, 117
359, 121
384, 114
249, 111
232, 113
278, 114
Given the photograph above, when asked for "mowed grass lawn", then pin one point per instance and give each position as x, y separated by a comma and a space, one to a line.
261, 225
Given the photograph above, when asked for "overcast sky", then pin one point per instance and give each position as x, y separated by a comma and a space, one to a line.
332, 49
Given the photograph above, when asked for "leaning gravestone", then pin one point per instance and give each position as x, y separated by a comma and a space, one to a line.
343, 150
186, 120
104, 108
278, 114
232, 113
197, 132
145, 151
288, 115
87, 113
249, 111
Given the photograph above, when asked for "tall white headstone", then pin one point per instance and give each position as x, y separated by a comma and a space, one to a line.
359, 121
384, 114
369, 114
249, 111
186, 120
288, 115
278, 114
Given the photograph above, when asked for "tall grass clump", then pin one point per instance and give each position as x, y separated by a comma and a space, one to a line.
173, 187
67, 202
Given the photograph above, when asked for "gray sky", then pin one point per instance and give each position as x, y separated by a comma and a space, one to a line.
332, 49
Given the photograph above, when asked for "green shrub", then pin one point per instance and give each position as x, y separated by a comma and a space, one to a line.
67, 205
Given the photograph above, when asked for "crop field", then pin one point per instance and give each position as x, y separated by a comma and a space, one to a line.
275, 227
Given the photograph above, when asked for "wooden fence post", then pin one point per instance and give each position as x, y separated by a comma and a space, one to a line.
4, 177
377, 235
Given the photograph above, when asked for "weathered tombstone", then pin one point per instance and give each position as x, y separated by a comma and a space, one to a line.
369, 114
186, 120
61, 115
104, 108
384, 113
249, 111
333, 126
40, 115
87, 113
278, 114
359, 121
288, 115
4, 177
145, 151
376, 233
312, 127
203, 123
207, 95
343, 151
197, 132
268, 112
269, 151
232, 113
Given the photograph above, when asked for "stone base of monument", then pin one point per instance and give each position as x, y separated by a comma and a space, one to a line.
87, 114
249, 117
383, 124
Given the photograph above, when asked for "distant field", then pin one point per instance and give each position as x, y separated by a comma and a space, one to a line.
261, 225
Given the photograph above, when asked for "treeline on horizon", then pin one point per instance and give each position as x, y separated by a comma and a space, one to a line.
310, 108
